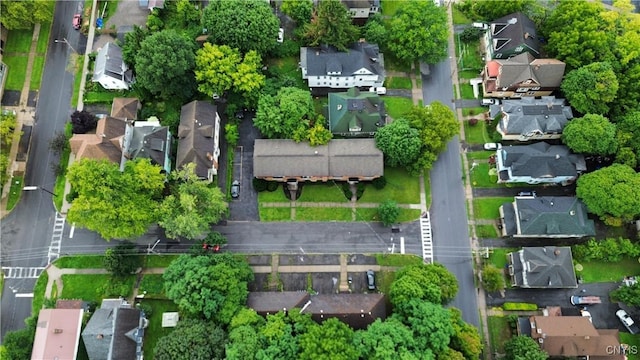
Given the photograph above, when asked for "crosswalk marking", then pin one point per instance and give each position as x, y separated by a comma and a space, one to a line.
427, 244
56, 238
12, 272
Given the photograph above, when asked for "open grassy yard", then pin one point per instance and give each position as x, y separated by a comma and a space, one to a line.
153, 285
17, 66
498, 256
401, 188
399, 83
94, 288
288, 66
397, 106
480, 155
272, 196
18, 41
476, 134
598, 271
486, 231
43, 38
468, 74
475, 111
634, 343
323, 214
155, 330
155, 260
480, 176
471, 58
487, 208
275, 214
322, 192
499, 333
466, 91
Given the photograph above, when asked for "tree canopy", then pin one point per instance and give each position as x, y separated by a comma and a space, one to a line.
492, 278
465, 338
299, 10
591, 134
194, 206
331, 25
171, 74
432, 282
523, 348
192, 339
212, 287
399, 142
431, 324
281, 116
388, 211
591, 88
82, 122
383, 340
241, 24
629, 139
122, 260
116, 205
629, 295
419, 32
132, 44
220, 68
18, 15
331, 340
611, 193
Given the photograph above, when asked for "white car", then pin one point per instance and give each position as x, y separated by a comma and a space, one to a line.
280, 35
487, 102
627, 321
492, 146
378, 90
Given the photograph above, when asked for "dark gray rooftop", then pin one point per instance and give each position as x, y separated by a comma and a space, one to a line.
544, 267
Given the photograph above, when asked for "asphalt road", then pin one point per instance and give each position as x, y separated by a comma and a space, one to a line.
451, 243
26, 232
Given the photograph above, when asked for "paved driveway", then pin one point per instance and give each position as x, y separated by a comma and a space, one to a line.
245, 207
127, 13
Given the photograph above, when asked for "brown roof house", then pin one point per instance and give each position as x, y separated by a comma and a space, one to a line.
115, 332
522, 76
573, 336
511, 35
355, 310
105, 144
340, 159
125, 108
546, 267
530, 119
199, 138
57, 334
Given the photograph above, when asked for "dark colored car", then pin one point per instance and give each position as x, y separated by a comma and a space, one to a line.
77, 21
371, 280
235, 189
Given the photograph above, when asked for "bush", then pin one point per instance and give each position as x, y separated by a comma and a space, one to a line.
470, 34
146, 308
608, 250
346, 190
272, 186
58, 143
388, 212
231, 134
379, 183
511, 306
473, 122
260, 184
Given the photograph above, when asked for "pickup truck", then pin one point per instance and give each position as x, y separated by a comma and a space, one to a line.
627, 321
585, 300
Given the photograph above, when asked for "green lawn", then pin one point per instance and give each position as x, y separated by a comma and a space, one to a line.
322, 192
407, 215
480, 155
101, 96
397, 106
475, 111
76, 82
498, 256
466, 91
476, 134
36, 72
153, 261
401, 188
389, 7
471, 58
18, 41
289, 66
272, 196
399, 83
275, 214
634, 342
80, 262
397, 260
371, 214
17, 66
597, 271
459, 18
480, 176
499, 333
38, 293
153, 285
468, 74
323, 214
487, 208
15, 191
155, 330
94, 288
43, 38
486, 231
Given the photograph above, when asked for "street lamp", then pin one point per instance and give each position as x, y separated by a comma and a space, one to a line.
64, 40
32, 188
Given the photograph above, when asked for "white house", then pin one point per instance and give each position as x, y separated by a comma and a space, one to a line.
362, 66
110, 71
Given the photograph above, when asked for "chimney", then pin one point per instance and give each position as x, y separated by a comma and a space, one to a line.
57, 331
557, 156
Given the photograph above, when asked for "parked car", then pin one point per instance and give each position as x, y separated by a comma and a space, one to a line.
527, 193
371, 280
280, 35
77, 21
585, 300
380, 90
487, 102
235, 189
492, 146
627, 321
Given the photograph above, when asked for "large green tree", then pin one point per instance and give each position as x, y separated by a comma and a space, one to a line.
194, 206
220, 68
591, 134
591, 88
299, 10
629, 138
331, 25
388, 211
383, 340
208, 286
242, 24
164, 65
132, 45
285, 114
611, 193
492, 278
399, 142
523, 348
192, 339
331, 340
465, 338
122, 260
282, 333
419, 32
17, 15
432, 282
629, 295
244, 343
115, 204
430, 323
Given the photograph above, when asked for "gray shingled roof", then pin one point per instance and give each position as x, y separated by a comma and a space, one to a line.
98, 333
514, 30
544, 267
126, 332
548, 217
109, 62
542, 160
196, 136
150, 142
320, 60
528, 116
522, 67
341, 157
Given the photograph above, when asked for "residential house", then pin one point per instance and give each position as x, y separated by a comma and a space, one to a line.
326, 68
148, 140
355, 113
110, 71
511, 35
340, 159
538, 163
356, 310
546, 267
529, 119
573, 337
115, 332
522, 76
361, 10
546, 217
199, 138
57, 334
105, 144
125, 108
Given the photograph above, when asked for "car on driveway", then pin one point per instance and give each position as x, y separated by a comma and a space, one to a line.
235, 189
371, 280
627, 321
492, 146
